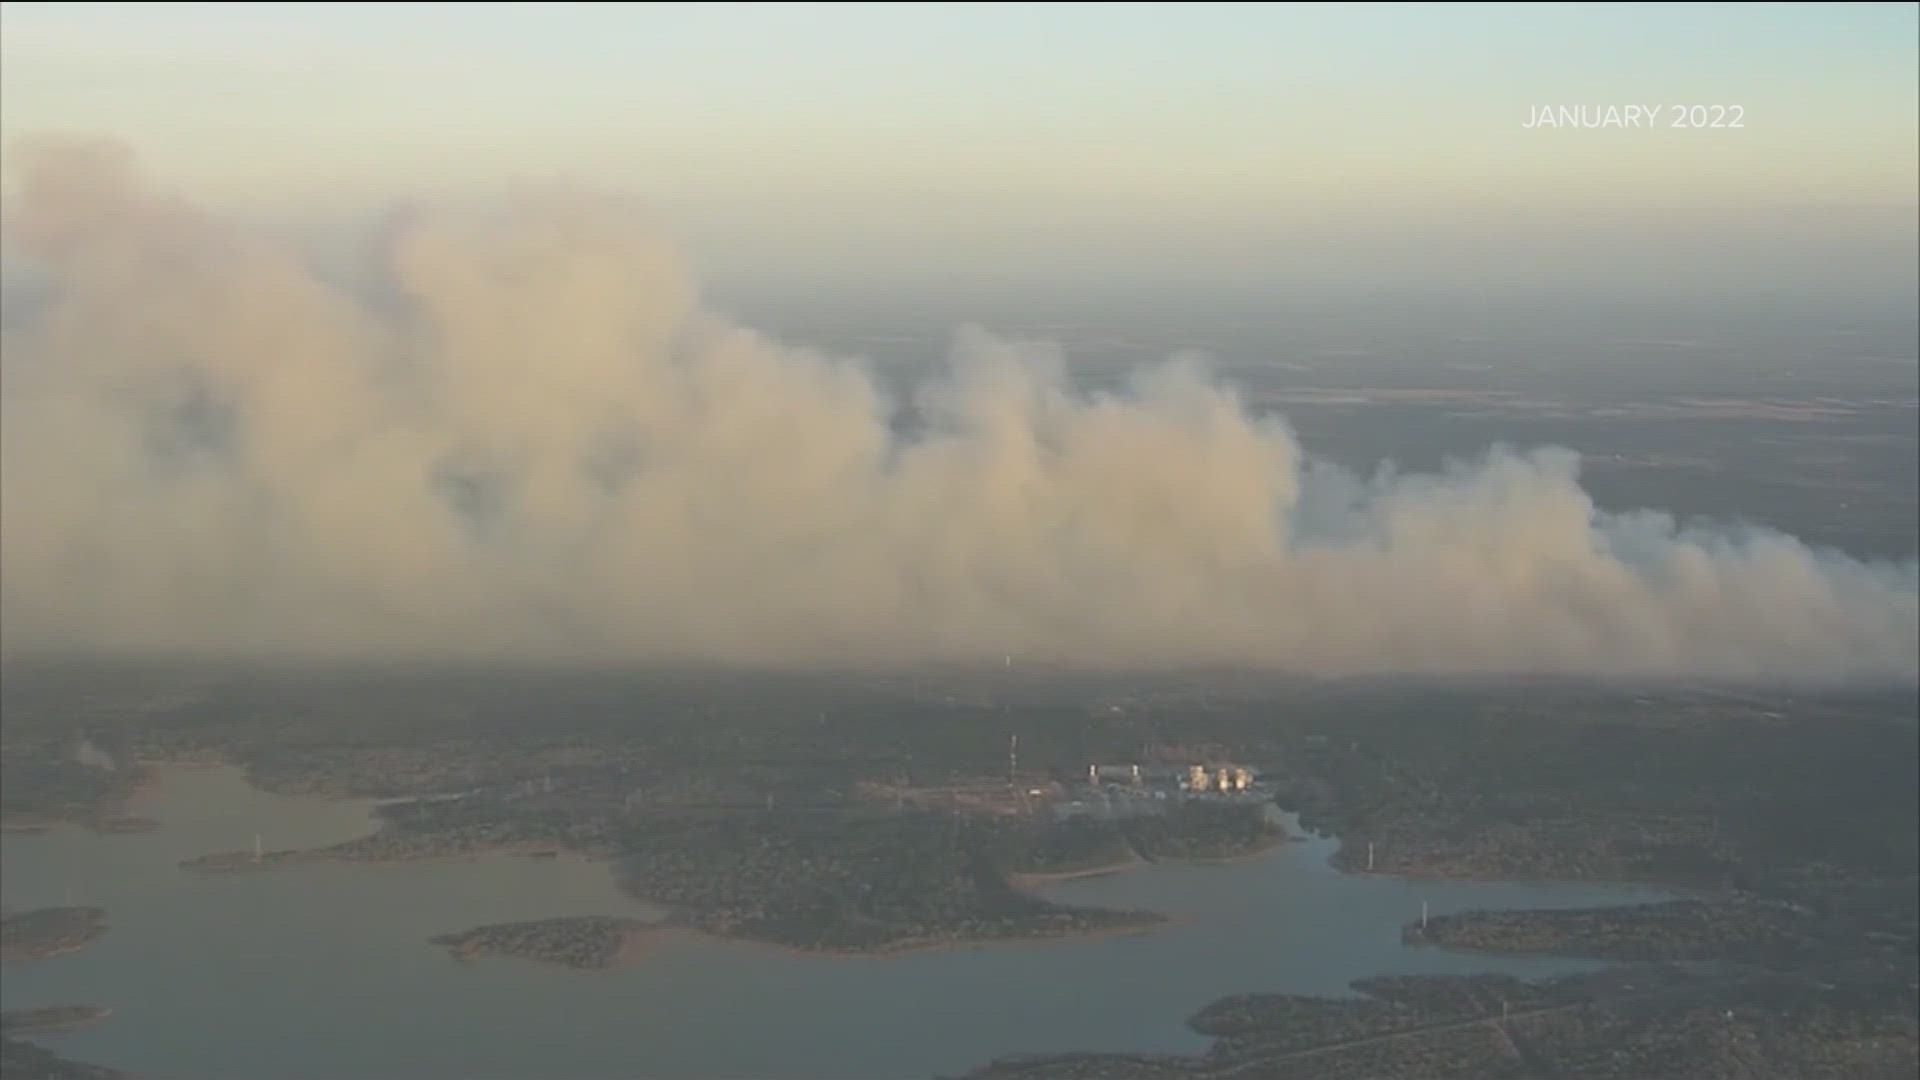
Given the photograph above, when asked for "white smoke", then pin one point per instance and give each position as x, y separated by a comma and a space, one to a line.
90, 755
534, 442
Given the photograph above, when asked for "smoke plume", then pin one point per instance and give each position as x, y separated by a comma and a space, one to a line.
532, 441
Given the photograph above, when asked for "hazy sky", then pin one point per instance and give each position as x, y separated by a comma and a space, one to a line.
1360, 139
532, 440
525, 433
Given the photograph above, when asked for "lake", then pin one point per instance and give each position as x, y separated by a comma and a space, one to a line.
325, 972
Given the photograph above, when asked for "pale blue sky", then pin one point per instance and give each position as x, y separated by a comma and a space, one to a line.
864, 123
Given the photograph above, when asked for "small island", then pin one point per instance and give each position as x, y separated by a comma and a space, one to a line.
48, 1019
47, 932
126, 824
26, 1061
589, 942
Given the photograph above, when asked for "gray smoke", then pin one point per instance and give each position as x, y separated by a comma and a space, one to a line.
86, 753
535, 442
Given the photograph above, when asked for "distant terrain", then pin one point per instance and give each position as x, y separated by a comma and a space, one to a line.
26, 1061
1638, 1025
842, 814
50, 1018
49, 932
1797, 412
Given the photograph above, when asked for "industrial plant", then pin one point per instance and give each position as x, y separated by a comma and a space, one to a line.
1104, 791
1131, 790
1195, 781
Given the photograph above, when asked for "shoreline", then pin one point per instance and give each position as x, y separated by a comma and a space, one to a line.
638, 943
51, 1019
120, 825
1023, 880
921, 948
1691, 888
235, 862
1039, 880
29, 828
44, 933
45, 954
1254, 854
115, 816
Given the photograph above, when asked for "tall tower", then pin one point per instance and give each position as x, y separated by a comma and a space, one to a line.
1013, 759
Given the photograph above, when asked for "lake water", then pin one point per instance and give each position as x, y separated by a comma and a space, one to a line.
325, 972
